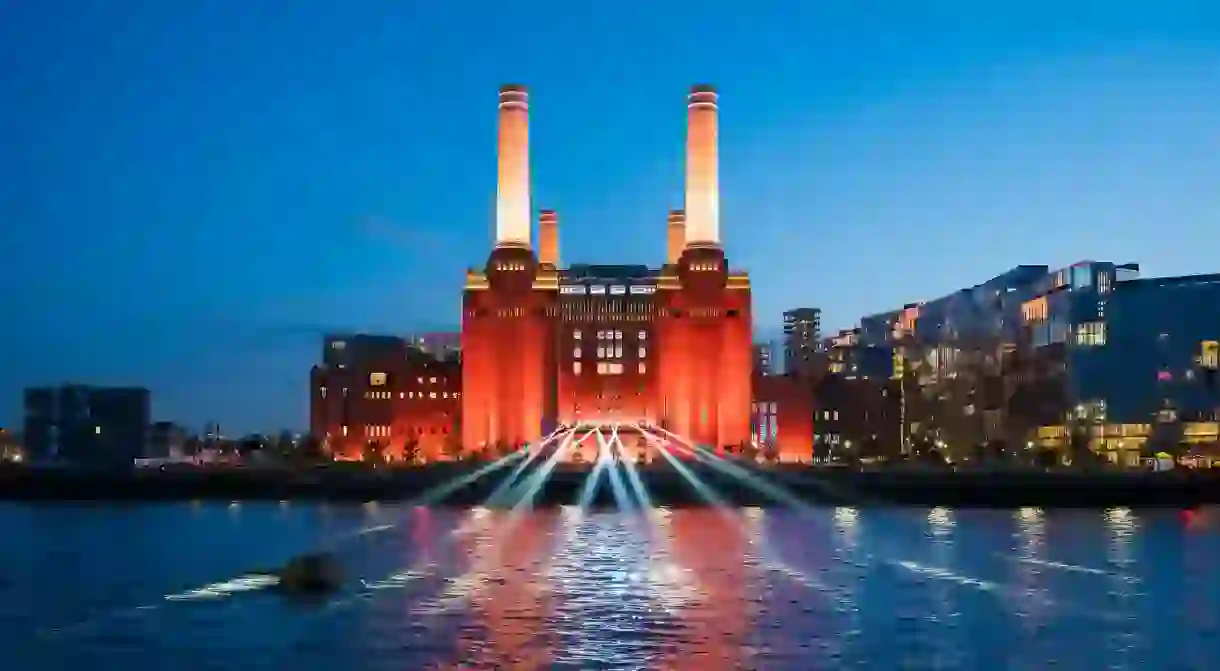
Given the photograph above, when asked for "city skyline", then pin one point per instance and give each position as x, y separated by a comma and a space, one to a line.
190, 222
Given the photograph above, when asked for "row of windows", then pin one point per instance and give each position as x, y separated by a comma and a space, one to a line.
381, 379
383, 431
511, 265
609, 334
610, 352
387, 395
704, 267
609, 368
641, 307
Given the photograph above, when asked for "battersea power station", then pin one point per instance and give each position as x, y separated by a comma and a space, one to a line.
545, 346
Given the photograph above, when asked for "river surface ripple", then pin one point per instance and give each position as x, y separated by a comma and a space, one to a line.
160, 587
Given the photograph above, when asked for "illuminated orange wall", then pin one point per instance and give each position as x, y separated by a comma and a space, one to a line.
794, 405
704, 336
626, 397
508, 334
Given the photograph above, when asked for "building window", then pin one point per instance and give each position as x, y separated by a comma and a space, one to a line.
601, 367
576, 353
601, 352
576, 368
432, 394
643, 352
643, 335
576, 335
1091, 334
1210, 356
618, 351
322, 392
376, 379
643, 368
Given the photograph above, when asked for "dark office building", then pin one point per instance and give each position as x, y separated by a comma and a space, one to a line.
802, 332
85, 425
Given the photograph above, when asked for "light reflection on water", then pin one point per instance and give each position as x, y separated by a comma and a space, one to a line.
703, 589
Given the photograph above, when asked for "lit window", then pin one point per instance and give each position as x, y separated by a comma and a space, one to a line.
420, 380
601, 368
1091, 334
576, 353
643, 335
618, 351
322, 391
402, 394
601, 335
576, 368
643, 368
643, 352
432, 394
344, 428
576, 335
376, 379
1210, 357
601, 352
618, 335
432, 380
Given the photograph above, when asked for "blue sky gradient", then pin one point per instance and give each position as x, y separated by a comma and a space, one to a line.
191, 193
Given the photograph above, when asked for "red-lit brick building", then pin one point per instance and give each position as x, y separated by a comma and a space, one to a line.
545, 345
384, 390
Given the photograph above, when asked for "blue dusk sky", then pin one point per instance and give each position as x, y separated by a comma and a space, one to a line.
191, 193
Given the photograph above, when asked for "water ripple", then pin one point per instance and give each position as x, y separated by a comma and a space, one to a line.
703, 589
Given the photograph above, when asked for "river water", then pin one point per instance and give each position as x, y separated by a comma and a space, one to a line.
142, 587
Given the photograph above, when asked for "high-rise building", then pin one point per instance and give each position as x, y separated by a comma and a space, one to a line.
86, 425
764, 360
802, 333
545, 345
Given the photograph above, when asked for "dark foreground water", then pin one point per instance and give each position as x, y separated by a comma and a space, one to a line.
138, 587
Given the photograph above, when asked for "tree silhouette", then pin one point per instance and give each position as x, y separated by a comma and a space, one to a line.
374, 453
310, 450
452, 447
410, 450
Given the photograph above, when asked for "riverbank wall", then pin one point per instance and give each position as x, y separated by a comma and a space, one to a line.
664, 486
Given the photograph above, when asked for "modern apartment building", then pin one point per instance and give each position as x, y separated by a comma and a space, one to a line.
802, 334
1034, 355
85, 425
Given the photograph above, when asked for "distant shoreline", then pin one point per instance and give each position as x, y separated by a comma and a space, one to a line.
666, 487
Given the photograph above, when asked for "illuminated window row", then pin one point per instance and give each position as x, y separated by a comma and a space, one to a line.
386, 395
607, 317
509, 266
375, 431
1091, 334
